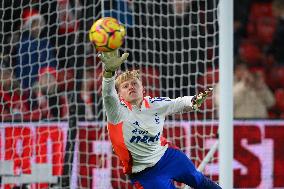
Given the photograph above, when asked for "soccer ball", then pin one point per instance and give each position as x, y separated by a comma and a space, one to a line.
107, 34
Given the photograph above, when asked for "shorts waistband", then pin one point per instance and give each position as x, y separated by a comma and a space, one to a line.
141, 172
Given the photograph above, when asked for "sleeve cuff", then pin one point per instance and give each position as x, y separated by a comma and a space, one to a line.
110, 79
188, 100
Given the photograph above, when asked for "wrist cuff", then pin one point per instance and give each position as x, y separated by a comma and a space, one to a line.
108, 74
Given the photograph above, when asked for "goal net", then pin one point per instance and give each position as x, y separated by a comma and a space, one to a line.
53, 126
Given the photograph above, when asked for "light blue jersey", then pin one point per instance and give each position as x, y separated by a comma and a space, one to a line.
135, 132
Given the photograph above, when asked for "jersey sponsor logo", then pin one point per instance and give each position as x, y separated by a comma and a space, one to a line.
141, 136
140, 132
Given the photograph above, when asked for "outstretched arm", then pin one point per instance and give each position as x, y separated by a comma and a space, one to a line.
112, 62
184, 104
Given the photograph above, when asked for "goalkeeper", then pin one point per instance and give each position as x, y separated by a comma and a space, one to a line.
135, 125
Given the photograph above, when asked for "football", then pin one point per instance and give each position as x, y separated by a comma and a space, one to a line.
107, 34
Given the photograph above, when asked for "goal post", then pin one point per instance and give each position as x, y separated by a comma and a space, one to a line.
226, 94
53, 131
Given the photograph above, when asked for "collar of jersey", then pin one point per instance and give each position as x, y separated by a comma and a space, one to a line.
145, 104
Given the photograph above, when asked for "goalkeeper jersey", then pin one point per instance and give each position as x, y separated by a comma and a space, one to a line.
135, 132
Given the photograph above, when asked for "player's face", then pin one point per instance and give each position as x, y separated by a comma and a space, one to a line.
131, 91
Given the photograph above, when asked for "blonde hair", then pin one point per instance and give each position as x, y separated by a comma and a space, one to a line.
124, 76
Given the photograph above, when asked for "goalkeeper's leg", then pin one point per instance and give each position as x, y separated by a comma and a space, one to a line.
184, 171
207, 183
174, 165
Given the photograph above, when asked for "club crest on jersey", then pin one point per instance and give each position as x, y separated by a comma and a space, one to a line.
123, 104
157, 118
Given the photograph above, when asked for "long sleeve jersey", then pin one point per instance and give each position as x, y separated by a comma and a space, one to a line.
136, 132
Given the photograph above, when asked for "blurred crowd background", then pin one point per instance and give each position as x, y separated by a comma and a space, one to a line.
45, 52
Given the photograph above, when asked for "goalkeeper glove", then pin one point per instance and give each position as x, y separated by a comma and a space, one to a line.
197, 100
112, 60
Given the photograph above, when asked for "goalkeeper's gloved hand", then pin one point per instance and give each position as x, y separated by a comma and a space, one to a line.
197, 100
112, 60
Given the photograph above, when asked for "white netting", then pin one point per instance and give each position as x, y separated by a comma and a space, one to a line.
50, 87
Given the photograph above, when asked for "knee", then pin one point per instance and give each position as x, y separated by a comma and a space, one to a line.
208, 184
197, 179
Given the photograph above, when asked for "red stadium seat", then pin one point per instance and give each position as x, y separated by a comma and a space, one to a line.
275, 77
272, 114
261, 9
251, 53
261, 24
262, 30
279, 96
265, 30
280, 76
271, 80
